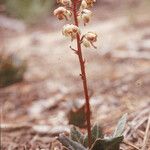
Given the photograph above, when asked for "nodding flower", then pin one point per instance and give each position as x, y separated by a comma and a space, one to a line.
70, 30
83, 5
85, 16
62, 13
89, 38
65, 2
89, 3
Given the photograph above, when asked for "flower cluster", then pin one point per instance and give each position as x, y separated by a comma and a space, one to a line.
84, 15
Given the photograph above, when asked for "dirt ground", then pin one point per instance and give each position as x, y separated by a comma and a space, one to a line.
35, 111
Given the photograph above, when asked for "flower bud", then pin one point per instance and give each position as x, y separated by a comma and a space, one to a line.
62, 13
70, 30
89, 38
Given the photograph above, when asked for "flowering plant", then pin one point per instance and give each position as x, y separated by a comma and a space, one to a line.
79, 11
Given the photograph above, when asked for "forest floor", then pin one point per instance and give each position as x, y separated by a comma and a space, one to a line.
36, 110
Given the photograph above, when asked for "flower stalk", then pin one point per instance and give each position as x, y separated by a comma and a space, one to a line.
83, 75
87, 40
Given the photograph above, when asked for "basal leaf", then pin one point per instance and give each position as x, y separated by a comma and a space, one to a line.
107, 144
96, 133
70, 144
120, 126
76, 135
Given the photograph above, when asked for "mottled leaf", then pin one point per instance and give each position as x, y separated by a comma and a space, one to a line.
70, 144
76, 135
120, 126
96, 133
107, 144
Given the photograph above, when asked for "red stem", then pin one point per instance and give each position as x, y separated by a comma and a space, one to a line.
83, 75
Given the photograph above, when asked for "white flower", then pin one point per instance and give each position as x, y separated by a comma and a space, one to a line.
83, 5
65, 2
86, 43
85, 16
90, 3
62, 13
70, 30
89, 38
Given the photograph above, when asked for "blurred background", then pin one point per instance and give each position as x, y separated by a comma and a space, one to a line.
39, 74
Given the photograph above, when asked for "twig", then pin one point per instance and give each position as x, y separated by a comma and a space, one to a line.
131, 145
146, 134
76, 51
14, 127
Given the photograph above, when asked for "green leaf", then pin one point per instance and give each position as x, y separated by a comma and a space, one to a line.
107, 144
70, 144
96, 133
77, 116
120, 126
76, 135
